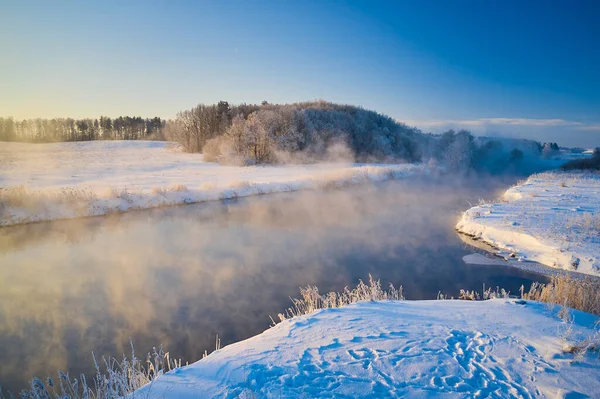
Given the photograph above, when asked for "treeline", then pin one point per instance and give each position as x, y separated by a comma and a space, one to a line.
320, 131
268, 133
68, 129
461, 151
247, 134
592, 163
194, 127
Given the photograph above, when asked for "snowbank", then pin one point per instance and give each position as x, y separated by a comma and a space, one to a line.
552, 218
65, 180
419, 349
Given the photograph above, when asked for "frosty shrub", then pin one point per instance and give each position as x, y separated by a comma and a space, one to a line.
212, 150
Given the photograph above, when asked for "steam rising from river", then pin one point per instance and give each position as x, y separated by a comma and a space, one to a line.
180, 275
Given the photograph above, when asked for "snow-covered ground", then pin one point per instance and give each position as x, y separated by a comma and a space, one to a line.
65, 180
552, 218
418, 349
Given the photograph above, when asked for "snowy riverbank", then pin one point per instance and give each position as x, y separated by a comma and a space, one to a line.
496, 348
552, 218
41, 182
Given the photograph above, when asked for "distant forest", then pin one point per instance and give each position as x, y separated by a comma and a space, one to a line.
68, 129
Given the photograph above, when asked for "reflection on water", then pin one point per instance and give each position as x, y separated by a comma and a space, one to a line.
178, 276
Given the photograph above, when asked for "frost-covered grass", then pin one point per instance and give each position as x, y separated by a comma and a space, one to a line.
564, 290
572, 293
41, 182
114, 378
552, 218
310, 300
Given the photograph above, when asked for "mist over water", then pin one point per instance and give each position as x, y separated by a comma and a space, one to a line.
178, 276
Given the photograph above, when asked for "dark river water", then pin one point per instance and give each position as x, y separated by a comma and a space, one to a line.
178, 276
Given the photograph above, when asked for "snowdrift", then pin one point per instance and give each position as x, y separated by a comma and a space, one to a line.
420, 349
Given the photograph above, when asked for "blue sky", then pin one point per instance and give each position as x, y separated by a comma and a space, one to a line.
517, 68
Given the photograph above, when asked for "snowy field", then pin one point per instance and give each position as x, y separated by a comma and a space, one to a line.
419, 349
552, 218
65, 180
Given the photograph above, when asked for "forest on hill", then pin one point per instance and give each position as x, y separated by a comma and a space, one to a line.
323, 131
270, 133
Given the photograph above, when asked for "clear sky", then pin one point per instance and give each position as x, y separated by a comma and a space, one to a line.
518, 68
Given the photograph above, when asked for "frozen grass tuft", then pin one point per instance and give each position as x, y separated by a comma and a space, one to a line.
24, 197
311, 300
566, 291
240, 184
578, 348
473, 295
486, 294
179, 188
159, 191
114, 378
14, 196
163, 191
586, 225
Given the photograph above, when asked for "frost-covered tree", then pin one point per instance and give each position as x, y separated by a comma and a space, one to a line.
457, 151
549, 150
7, 129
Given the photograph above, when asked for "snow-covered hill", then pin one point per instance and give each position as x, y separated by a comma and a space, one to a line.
418, 349
65, 180
552, 218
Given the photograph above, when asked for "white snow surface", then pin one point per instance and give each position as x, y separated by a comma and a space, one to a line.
552, 218
418, 349
67, 180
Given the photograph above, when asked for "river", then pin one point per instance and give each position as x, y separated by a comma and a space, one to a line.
178, 276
